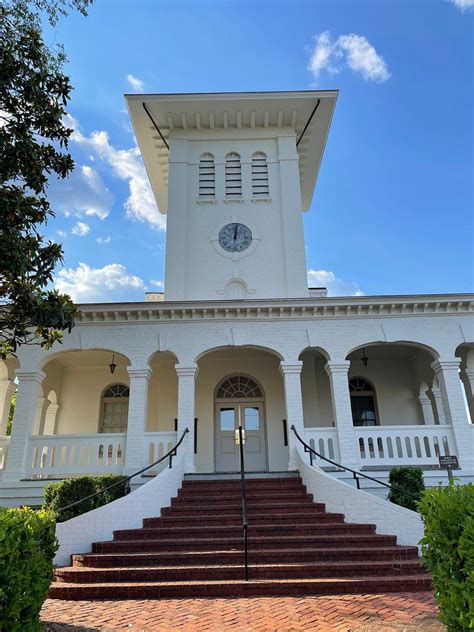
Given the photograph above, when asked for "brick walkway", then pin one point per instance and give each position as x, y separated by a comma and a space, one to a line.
346, 613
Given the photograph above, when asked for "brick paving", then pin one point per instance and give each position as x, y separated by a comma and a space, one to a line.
346, 613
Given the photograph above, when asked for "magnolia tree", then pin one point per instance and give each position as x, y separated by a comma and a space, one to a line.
34, 93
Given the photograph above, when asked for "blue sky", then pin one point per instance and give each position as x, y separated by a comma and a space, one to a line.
393, 207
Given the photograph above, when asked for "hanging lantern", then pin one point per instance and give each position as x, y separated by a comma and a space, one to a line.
364, 358
112, 365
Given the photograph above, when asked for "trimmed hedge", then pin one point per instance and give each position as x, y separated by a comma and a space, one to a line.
58, 495
27, 547
407, 483
448, 551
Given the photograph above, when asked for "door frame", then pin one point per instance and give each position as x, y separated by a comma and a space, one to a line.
240, 400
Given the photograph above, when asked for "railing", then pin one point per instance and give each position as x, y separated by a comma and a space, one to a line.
157, 443
324, 440
404, 445
243, 490
355, 473
4, 443
169, 455
60, 455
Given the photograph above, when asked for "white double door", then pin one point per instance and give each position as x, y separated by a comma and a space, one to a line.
250, 416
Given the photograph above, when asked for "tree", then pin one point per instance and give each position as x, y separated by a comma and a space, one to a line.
34, 94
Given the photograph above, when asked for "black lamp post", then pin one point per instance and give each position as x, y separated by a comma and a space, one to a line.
364, 358
112, 365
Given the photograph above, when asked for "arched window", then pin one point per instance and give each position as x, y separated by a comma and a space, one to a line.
362, 402
207, 176
238, 386
233, 176
114, 408
259, 175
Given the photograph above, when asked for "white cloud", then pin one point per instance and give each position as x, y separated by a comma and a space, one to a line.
113, 282
135, 83
126, 165
353, 51
158, 284
81, 229
334, 285
103, 240
464, 5
82, 193
62, 233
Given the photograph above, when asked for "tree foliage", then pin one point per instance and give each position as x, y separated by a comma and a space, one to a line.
34, 93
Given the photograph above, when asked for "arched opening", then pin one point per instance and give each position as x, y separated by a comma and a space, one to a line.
114, 408
8, 390
466, 374
207, 177
233, 176
315, 388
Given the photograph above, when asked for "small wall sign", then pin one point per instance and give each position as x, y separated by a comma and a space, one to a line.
449, 462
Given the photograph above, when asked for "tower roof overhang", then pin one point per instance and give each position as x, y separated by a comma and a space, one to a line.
307, 112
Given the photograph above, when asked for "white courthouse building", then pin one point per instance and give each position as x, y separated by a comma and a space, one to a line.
238, 337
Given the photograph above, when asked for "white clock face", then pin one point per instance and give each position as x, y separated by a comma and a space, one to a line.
235, 237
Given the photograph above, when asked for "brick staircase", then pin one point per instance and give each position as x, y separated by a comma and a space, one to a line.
195, 549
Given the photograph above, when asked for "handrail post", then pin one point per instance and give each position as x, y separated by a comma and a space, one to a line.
243, 489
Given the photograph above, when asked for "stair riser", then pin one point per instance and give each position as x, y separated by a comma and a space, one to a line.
236, 502
228, 574
236, 521
234, 532
182, 509
255, 543
276, 557
251, 485
373, 586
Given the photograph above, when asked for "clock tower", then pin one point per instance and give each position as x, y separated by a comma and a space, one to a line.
234, 172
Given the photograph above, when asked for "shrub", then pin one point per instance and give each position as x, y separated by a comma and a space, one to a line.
27, 547
58, 495
407, 486
448, 551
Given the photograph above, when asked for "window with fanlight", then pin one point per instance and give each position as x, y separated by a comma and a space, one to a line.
239, 387
364, 411
114, 408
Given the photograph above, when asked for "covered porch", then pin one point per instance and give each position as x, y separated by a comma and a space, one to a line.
94, 412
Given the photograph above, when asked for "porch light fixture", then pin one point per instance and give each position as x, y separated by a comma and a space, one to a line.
364, 358
112, 365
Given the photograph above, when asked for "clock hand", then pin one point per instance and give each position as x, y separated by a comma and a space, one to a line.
235, 232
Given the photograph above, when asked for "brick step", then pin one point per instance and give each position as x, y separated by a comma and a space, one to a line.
264, 556
236, 501
236, 588
213, 544
215, 531
90, 575
251, 483
236, 508
235, 519
224, 495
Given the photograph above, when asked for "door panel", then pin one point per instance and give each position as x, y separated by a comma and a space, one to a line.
228, 419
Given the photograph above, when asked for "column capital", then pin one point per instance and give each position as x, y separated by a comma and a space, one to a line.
30, 376
337, 367
445, 365
139, 372
291, 367
183, 370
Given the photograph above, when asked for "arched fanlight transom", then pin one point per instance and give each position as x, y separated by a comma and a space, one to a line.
238, 386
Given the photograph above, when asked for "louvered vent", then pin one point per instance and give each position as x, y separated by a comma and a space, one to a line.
259, 175
207, 176
233, 176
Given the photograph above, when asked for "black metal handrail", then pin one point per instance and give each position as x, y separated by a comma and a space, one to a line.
243, 490
355, 473
170, 454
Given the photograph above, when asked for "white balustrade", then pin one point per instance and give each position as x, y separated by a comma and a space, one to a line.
404, 445
324, 441
4, 443
66, 455
158, 444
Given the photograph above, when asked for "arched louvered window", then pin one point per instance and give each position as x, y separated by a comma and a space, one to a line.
259, 175
233, 176
238, 386
362, 402
207, 176
114, 408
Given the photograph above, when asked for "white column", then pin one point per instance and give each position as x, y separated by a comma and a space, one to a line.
26, 409
467, 376
342, 411
50, 419
426, 409
186, 411
447, 372
135, 457
291, 373
40, 402
7, 388
438, 402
